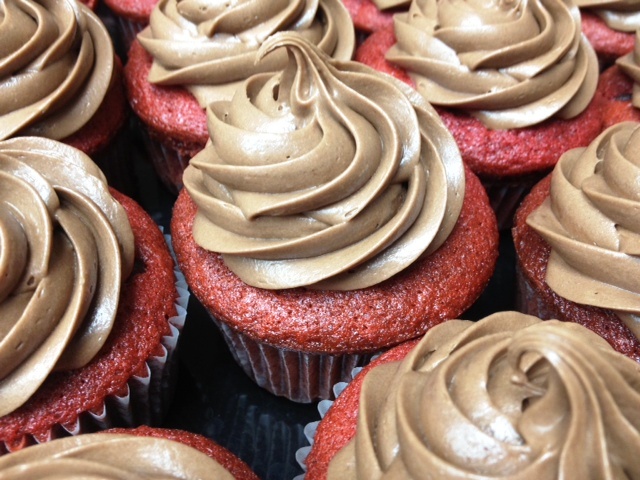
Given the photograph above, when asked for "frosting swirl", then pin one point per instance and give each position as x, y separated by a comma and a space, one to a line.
65, 245
56, 66
326, 175
210, 47
113, 456
630, 64
620, 15
591, 219
509, 396
510, 64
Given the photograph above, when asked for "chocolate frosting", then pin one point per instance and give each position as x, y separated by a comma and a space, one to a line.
620, 15
327, 175
591, 219
65, 246
210, 47
510, 64
509, 396
113, 456
630, 64
56, 66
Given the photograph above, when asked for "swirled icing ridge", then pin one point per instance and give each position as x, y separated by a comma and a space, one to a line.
325, 175
510, 64
114, 456
56, 66
509, 396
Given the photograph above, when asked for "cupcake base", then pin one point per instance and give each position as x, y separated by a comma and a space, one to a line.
298, 342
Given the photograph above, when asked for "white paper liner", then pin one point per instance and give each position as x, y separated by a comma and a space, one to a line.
144, 399
310, 428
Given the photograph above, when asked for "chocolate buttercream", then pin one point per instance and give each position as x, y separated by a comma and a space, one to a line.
509, 396
56, 66
591, 219
211, 47
630, 64
620, 15
510, 64
65, 246
325, 175
113, 456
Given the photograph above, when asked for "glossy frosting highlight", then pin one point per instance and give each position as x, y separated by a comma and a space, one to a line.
509, 396
113, 456
56, 66
591, 219
510, 64
209, 47
325, 175
65, 247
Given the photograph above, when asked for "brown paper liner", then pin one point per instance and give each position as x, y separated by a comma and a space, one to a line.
299, 376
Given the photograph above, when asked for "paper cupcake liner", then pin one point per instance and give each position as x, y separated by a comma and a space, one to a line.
310, 428
528, 301
168, 163
299, 376
505, 197
143, 400
128, 31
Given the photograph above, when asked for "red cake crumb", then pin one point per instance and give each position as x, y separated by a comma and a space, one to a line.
147, 301
367, 17
224, 457
533, 255
132, 10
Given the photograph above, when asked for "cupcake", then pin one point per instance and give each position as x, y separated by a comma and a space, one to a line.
515, 84
620, 88
90, 300
130, 18
610, 27
62, 78
330, 217
577, 240
142, 452
186, 59
509, 396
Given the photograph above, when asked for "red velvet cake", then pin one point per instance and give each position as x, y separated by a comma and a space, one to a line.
483, 400
122, 376
578, 292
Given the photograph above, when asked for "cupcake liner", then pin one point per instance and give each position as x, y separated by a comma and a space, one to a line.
310, 428
505, 197
144, 399
527, 301
168, 163
117, 163
299, 376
